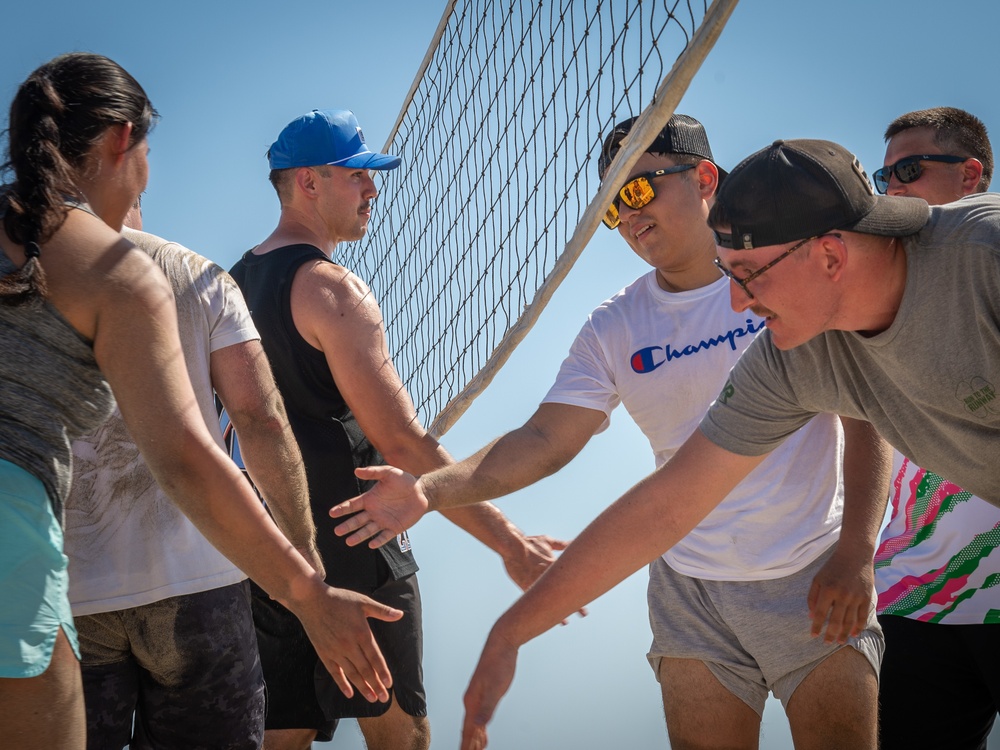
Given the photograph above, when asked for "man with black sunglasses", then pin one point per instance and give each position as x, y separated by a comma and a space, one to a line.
948, 145
936, 564
730, 603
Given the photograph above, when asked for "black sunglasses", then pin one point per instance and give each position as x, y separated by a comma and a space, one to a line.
909, 169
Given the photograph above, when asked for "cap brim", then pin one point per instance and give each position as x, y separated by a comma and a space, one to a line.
893, 216
371, 161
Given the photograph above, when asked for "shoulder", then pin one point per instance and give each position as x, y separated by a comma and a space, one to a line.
974, 218
90, 250
95, 274
324, 282
184, 268
332, 307
169, 254
144, 240
620, 306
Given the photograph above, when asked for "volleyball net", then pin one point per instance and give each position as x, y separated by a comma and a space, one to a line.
498, 192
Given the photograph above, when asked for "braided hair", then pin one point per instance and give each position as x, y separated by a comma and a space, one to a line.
56, 117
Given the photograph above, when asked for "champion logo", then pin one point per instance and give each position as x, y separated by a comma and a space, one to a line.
649, 358
646, 360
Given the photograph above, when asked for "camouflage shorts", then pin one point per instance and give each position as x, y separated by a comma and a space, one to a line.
186, 666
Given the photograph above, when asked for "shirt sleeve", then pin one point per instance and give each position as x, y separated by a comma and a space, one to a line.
230, 322
757, 407
585, 379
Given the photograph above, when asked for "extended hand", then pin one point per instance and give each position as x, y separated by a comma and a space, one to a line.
842, 596
386, 510
490, 682
532, 559
336, 622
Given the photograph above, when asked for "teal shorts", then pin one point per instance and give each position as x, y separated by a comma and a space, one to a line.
33, 576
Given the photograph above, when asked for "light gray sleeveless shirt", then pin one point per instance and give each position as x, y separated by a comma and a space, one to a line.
51, 391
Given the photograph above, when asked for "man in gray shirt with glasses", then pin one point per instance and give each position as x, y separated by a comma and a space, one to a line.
730, 603
889, 312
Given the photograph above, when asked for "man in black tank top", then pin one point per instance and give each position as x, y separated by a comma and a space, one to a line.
323, 334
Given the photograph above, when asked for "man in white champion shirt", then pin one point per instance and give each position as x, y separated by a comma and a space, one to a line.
730, 604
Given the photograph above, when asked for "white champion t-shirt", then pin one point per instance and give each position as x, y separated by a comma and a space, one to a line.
666, 357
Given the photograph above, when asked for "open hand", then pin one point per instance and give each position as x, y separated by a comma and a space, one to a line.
385, 511
336, 621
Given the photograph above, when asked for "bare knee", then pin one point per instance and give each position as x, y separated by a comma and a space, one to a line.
421, 733
396, 730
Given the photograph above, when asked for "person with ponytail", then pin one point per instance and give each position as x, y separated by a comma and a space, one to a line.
88, 320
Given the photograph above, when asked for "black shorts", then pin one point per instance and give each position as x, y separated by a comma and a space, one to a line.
952, 671
186, 666
301, 694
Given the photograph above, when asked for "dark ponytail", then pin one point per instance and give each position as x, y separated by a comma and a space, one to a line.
56, 117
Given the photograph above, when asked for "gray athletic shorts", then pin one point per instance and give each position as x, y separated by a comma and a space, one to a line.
754, 636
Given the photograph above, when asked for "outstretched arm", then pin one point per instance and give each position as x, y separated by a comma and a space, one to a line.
544, 444
335, 312
842, 591
649, 519
242, 378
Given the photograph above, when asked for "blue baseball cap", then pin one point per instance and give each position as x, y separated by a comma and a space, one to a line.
326, 137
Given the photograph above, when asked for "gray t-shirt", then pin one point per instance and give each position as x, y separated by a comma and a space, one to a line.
928, 383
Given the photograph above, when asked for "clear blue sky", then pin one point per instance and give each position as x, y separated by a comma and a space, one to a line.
226, 76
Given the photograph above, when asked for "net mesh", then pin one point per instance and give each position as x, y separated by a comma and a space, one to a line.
499, 140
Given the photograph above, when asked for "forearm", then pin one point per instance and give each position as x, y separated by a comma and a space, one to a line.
504, 466
553, 435
867, 474
489, 525
243, 380
273, 460
840, 597
621, 540
209, 489
645, 522
508, 464
482, 520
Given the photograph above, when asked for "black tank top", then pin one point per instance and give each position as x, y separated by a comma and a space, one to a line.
328, 435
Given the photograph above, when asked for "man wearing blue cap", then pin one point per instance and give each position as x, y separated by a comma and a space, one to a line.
322, 331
